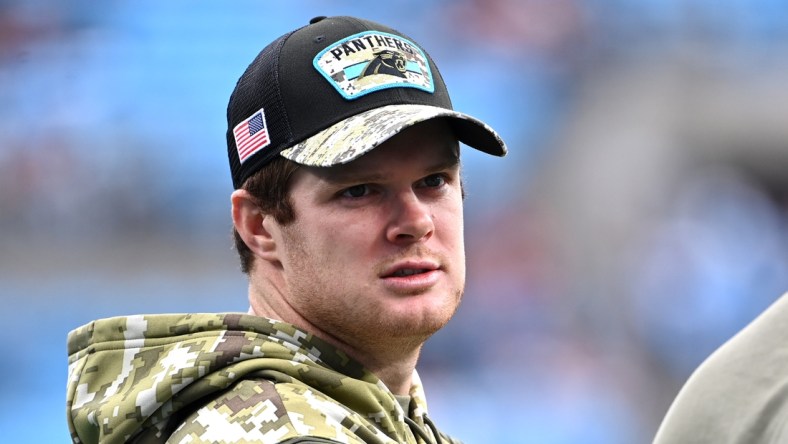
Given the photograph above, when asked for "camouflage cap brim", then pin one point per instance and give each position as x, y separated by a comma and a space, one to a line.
359, 134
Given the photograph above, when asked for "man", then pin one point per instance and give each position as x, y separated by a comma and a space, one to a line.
344, 154
740, 393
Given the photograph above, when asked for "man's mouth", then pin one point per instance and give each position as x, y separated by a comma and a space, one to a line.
412, 276
408, 272
410, 268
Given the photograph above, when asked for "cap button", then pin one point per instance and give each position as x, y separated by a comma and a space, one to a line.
316, 19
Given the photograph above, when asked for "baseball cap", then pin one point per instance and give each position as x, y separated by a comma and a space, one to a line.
328, 92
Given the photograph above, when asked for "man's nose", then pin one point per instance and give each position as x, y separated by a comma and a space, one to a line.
411, 219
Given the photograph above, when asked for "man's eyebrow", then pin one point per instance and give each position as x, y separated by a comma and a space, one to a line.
450, 163
341, 178
351, 177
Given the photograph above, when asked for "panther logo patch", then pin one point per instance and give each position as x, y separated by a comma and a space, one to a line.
385, 62
371, 61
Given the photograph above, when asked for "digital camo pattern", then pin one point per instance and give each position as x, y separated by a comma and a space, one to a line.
359, 134
224, 378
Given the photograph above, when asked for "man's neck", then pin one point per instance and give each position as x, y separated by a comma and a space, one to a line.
397, 378
393, 363
392, 360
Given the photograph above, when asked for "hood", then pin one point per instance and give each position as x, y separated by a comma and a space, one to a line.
130, 376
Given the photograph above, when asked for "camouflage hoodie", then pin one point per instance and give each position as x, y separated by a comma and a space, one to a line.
227, 378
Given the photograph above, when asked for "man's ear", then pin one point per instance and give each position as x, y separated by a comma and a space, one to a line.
254, 226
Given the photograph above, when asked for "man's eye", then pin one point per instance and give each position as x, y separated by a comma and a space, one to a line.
356, 191
434, 181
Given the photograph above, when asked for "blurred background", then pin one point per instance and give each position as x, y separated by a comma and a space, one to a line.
640, 220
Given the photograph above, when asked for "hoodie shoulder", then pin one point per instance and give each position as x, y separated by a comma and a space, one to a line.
201, 377
135, 375
262, 411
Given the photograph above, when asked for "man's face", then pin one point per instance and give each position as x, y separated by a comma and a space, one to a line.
376, 249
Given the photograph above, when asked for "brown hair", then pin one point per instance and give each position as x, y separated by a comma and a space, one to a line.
270, 187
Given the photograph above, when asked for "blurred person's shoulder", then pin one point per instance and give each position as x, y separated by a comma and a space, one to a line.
740, 392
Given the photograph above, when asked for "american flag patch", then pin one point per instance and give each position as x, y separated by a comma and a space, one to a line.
251, 135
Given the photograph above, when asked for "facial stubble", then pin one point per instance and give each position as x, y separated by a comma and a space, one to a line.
358, 319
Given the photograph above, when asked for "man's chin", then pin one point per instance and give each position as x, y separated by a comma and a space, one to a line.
423, 320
